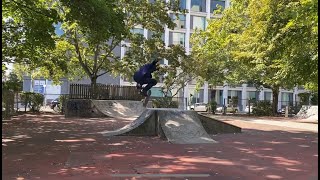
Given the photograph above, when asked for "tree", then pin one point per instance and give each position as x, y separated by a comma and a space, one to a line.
256, 42
27, 29
93, 48
13, 83
93, 30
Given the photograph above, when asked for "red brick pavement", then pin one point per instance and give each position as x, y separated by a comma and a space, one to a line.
52, 147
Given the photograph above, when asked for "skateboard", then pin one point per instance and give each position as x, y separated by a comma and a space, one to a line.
146, 99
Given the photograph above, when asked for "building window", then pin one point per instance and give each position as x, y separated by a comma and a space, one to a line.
286, 99
190, 44
214, 4
137, 31
177, 38
253, 95
198, 22
198, 5
180, 21
182, 4
127, 50
150, 34
268, 96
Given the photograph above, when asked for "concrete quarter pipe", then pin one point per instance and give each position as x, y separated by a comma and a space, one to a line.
119, 108
177, 126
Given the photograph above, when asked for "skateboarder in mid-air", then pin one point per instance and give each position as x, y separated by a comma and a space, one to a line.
144, 76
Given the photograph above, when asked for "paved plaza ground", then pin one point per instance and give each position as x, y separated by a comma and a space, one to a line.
48, 146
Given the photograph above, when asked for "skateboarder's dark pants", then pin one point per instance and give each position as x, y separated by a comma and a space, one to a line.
150, 83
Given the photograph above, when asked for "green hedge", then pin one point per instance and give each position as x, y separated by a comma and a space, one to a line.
165, 102
33, 100
262, 108
62, 100
213, 106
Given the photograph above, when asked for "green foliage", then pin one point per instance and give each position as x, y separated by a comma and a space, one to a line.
62, 99
271, 43
213, 106
93, 31
4, 68
36, 101
33, 100
304, 98
314, 99
12, 83
165, 102
7, 103
234, 101
262, 108
27, 29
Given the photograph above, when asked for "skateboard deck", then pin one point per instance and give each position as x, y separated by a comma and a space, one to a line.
146, 99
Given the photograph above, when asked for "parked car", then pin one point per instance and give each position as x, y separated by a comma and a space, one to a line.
198, 107
228, 109
54, 103
283, 110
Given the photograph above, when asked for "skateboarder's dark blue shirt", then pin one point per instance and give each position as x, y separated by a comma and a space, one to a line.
145, 71
144, 76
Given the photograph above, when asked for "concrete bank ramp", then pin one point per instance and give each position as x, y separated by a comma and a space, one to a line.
175, 125
183, 127
307, 111
119, 108
144, 125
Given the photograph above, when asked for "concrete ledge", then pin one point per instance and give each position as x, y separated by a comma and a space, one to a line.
80, 108
103, 108
213, 126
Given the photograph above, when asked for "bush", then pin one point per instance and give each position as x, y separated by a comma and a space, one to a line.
304, 98
262, 108
33, 100
165, 102
36, 101
234, 101
213, 106
314, 99
62, 102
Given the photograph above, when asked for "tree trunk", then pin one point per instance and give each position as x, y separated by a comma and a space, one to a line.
94, 93
275, 93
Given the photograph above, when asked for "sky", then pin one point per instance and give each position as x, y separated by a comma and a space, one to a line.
58, 29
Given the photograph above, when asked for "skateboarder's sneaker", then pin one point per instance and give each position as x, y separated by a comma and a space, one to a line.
144, 93
139, 86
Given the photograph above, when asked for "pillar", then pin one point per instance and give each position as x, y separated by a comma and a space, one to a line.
295, 95
208, 9
122, 53
225, 94
279, 99
187, 35
205, 92
244, 96
261, 95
